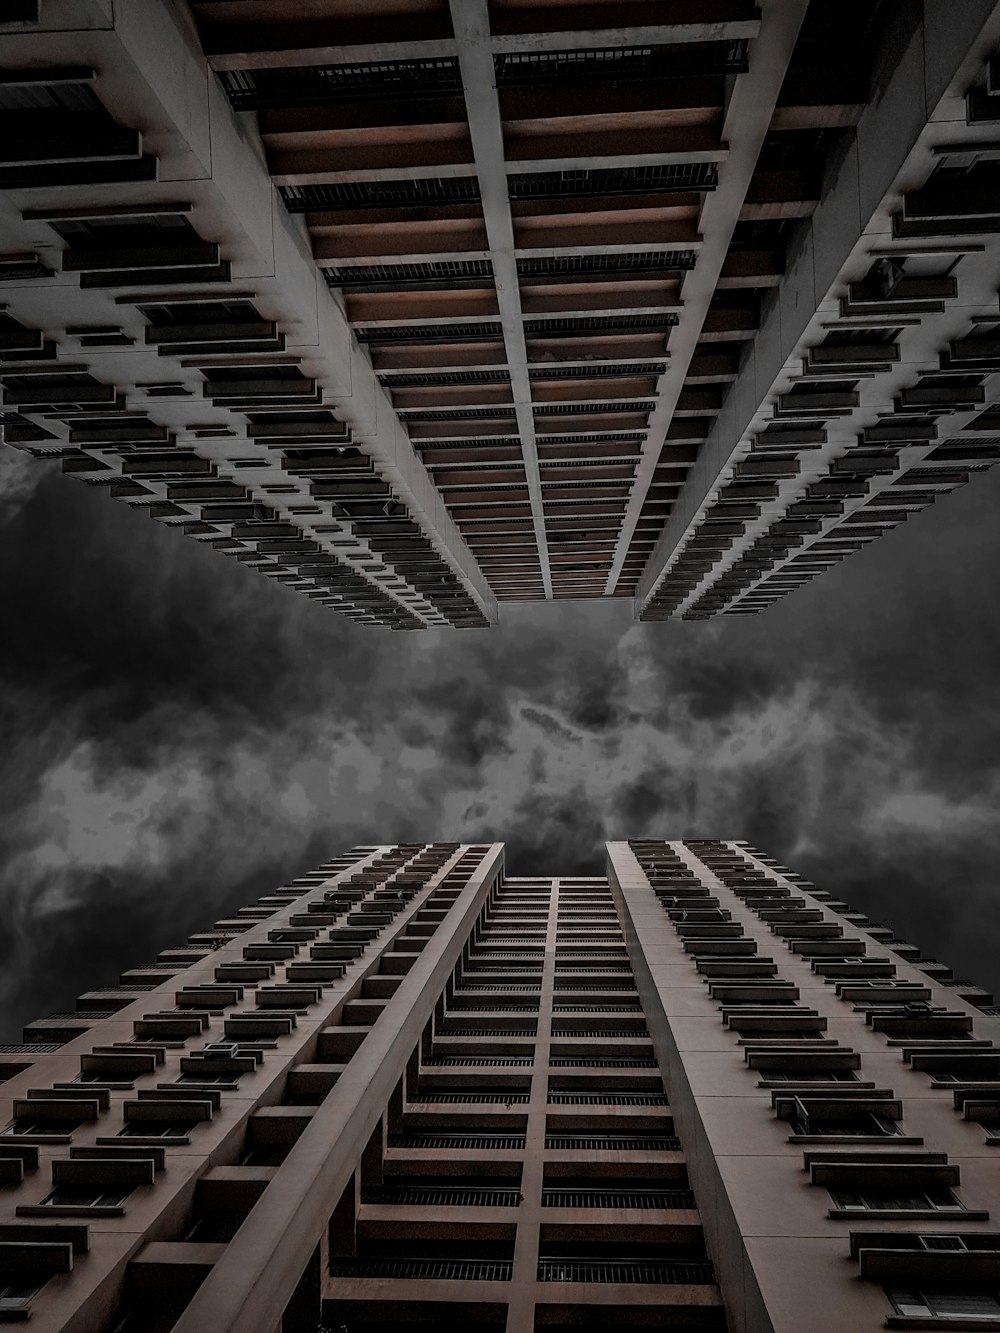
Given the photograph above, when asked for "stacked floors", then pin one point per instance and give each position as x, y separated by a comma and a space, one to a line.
401, 1091
407, 1091
836, 1093
532, 1177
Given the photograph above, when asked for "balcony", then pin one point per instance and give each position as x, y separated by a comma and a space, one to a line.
648, 1272
586, 1143
419, 1269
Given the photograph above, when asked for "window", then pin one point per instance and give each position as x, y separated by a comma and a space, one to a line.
25, 1125
157, 1129
882, 1199
862, 1124
86, 1196
15, 1294
127, 232
808, 1076
208, 1078
936, 1302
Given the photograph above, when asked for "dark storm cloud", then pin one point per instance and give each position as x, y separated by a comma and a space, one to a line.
183, 735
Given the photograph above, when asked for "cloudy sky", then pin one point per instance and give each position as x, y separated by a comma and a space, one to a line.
182, 735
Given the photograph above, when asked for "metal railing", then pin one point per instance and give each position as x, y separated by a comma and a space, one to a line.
479, 1061
497, 1098
443, 1033
607, 1099
444, 1196
493, 1142
449, 1270
79, 1015
648, 1271
613, 1142
624, 1198
600, 1032
589, 984
602, 1062
502, 989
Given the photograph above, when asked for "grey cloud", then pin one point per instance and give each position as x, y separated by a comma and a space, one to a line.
184, 735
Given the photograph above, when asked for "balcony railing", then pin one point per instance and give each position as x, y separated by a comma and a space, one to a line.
472, 1142
607, 1198
480, 1061
604, 1007
599, 1098
441, 1196
603, 1062
497, 1098
613, 1142
497, 1032
449, 1270
603, 1033
647, 1271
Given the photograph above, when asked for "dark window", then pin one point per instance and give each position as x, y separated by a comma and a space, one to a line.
26, 1125
208, 1078
860, 1124
933, 1302
874, 1199
15, 1293
86, 1196
112, 233
809, 1076
157, 1129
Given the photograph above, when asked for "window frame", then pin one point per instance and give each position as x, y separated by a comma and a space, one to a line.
928, 1296
102, 1196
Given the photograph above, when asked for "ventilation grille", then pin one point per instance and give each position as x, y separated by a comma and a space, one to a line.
491, 441
626, 62
415, 381
613, 180
638, 261
596, 324
494, 504
576, 409
590, 372
942, 473
429, 332
311, 85
416, 193
457, 414
442, 473
599, 464
598, 437
395, 275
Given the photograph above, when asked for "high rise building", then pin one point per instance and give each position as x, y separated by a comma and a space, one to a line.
421, 307
407, 1091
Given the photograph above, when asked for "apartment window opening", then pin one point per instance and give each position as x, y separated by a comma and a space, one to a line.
939, 1302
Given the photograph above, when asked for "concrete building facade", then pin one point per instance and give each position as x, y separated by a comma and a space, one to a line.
422, 306
410, 1091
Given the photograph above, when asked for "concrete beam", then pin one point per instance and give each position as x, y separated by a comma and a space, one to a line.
472, 31
748, 117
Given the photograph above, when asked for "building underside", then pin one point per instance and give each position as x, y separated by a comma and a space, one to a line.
418, 308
